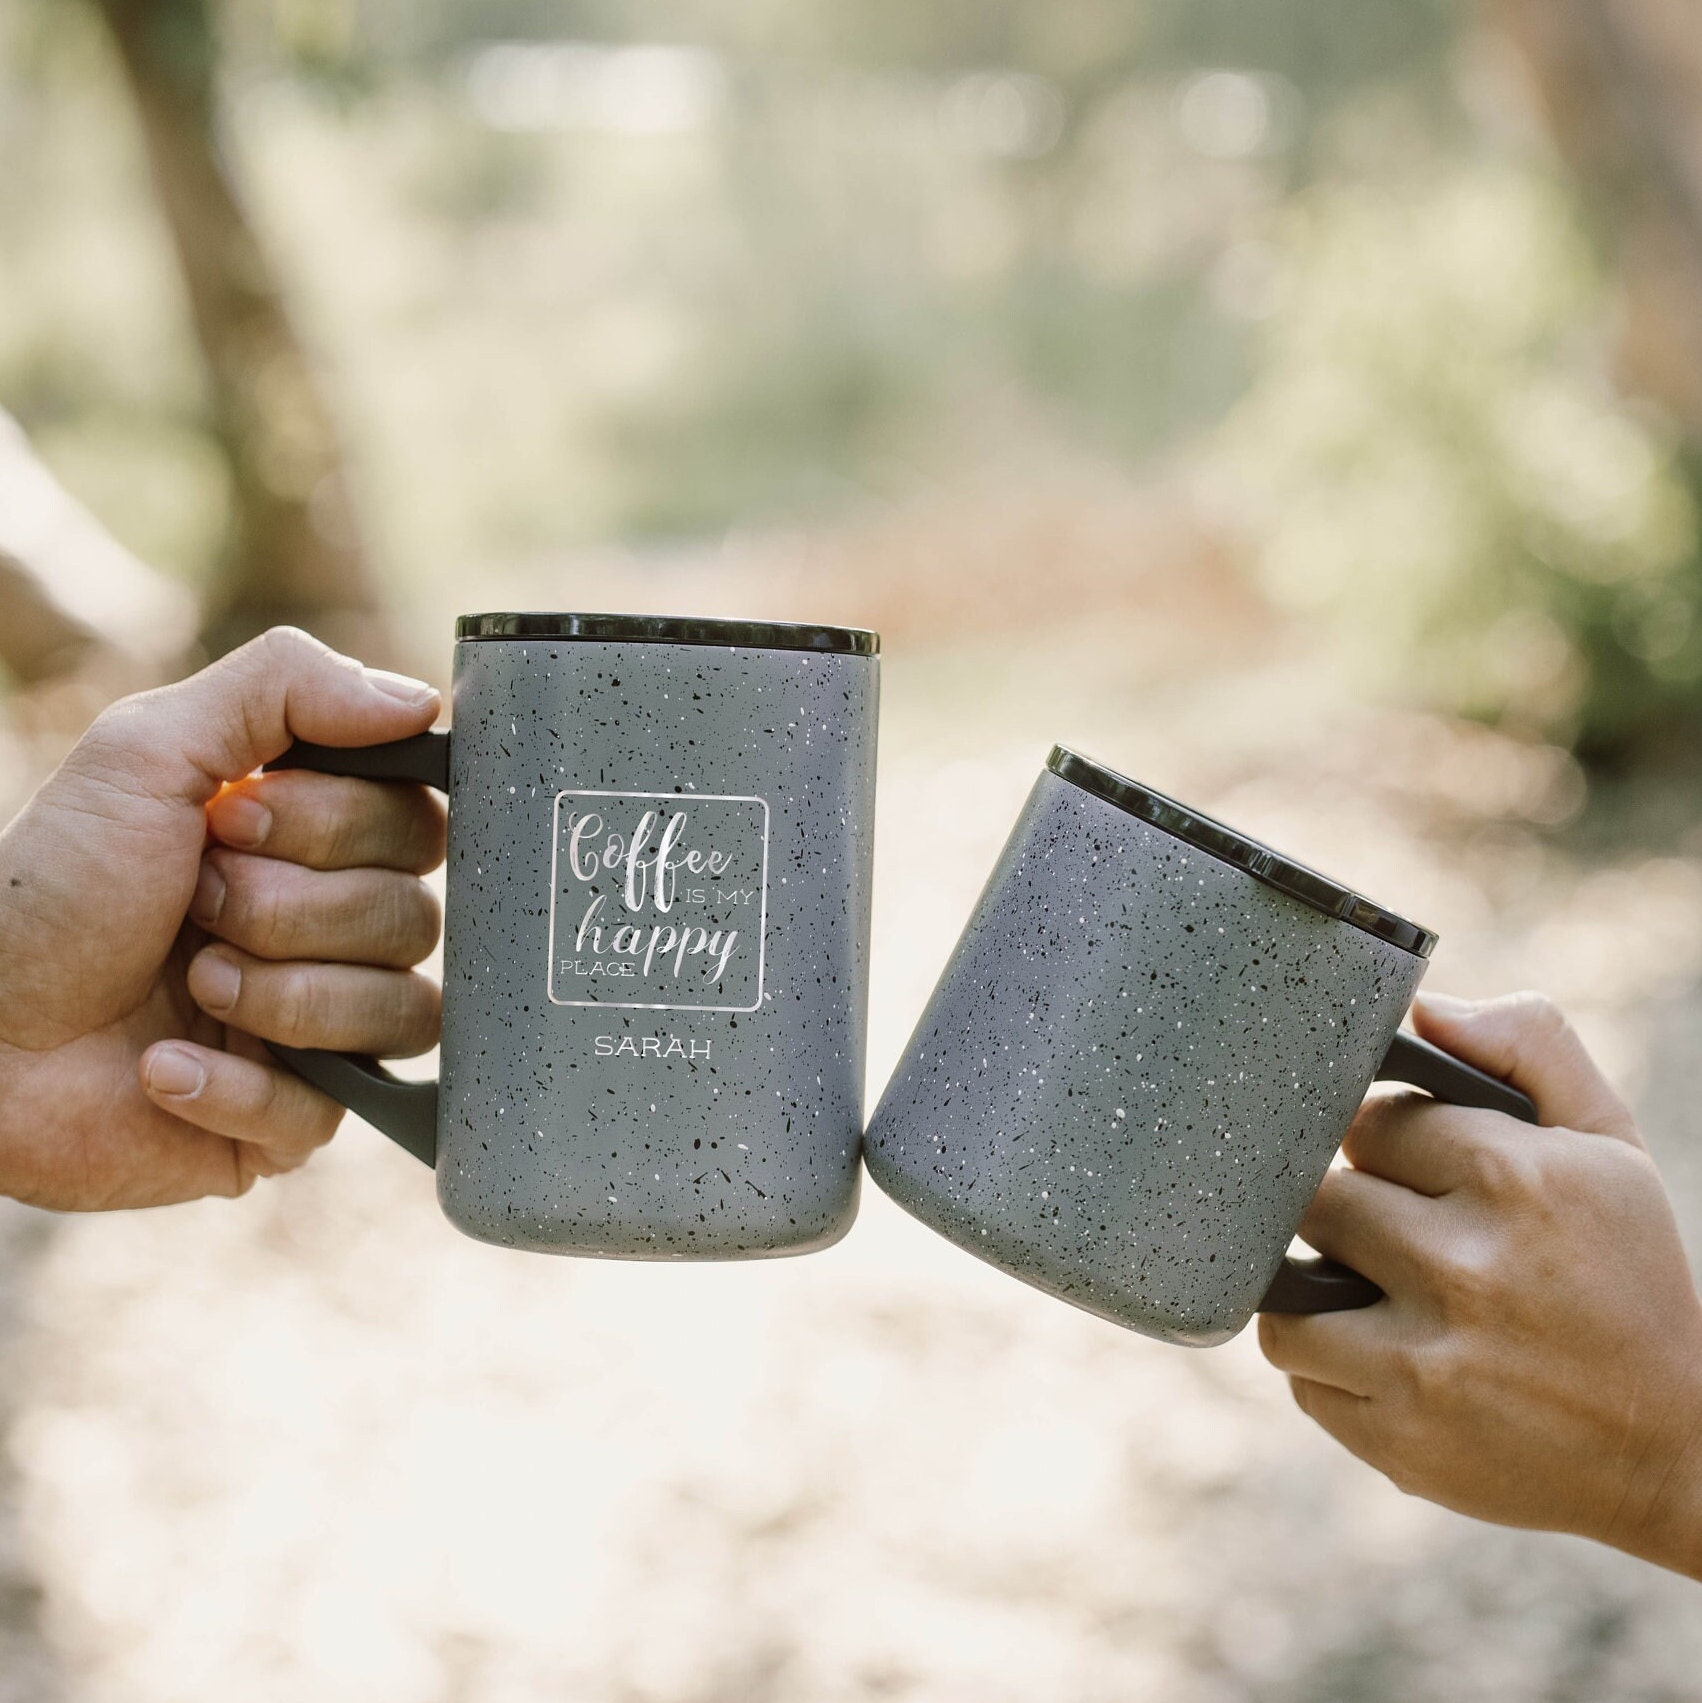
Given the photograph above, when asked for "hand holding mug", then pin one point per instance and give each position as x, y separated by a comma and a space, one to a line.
1538, 1359
160, 909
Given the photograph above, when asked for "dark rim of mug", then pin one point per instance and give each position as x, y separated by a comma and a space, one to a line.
670, 630
1239, 851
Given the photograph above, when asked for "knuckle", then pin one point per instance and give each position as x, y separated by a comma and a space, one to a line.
1427, 1369
304, 1008
256, 910
334, 836
1599, 1184
118, 745
1640, 1172
261, 1094
272, 917
395, 925
286, 1115
1414, 1373
1468, 1283
295, 1136
281, 646
1537, 1014
297, 655
1505, 1171
113, 727
1382, 1114
272, 656
1405, 1376
1374, 1113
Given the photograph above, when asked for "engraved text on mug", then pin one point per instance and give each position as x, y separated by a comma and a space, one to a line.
649, 1046
658, 901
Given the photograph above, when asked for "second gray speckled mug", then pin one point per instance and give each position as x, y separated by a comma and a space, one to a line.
1143, 1056
655, 937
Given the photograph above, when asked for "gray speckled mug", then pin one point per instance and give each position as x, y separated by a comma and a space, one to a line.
1143, 1056
655, 938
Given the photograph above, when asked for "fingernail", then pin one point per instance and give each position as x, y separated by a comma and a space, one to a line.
1445, 1004
415, 693
239, 820
217, 982
173, 1071
209, 897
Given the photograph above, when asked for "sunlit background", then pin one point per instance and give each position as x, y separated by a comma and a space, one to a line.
1296, 404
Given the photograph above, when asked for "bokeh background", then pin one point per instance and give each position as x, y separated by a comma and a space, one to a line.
1298, 405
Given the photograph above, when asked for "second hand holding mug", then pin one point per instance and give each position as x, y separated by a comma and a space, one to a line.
1143, 1056
655, 935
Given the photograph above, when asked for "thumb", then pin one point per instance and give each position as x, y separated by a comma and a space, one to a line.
223, 723
1524, 1039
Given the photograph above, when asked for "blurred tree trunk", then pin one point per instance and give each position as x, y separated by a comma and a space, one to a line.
295, 553
1620, 84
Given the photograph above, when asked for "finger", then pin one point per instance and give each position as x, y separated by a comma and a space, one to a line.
331, 822
1347, 1417
282, 911
1373, 1226
1413, 1140
346, 1007
183, 741
1524, 1039
1344, 1350
276, 1118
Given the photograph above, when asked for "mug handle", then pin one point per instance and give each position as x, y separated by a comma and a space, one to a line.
1323, 1286
404, 1111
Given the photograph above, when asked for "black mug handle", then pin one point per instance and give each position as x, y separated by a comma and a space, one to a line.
404, 1111
1323, 1286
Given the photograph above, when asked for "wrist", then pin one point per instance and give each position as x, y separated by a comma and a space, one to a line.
13, 1184
29, 1130
1661, 1519
1674, 1538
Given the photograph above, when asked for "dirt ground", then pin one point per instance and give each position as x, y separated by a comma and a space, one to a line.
314, 1445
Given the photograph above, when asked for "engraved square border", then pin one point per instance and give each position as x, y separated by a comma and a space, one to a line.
678, 798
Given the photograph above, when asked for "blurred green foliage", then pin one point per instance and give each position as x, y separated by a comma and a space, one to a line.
1443, 467
814, 255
